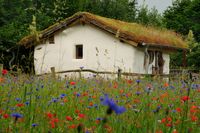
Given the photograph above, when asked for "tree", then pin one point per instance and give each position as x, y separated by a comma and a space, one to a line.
193, 56
149, 17
183, 17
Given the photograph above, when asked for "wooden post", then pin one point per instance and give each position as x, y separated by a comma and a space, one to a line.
119, 73
184, 59
1, 68
53, 73
80, 73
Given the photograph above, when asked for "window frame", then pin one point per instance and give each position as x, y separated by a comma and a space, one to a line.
79, 51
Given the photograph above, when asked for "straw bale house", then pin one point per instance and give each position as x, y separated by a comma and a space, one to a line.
103, 44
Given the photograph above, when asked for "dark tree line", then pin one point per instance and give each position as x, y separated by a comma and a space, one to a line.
16, 17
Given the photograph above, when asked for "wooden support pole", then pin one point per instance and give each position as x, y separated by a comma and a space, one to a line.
119, 73
1, 68
184, 59
80, 74
53, 72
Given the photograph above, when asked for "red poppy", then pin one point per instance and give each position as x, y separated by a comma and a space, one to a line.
65, 100
55, 120
1, 79
194, 118
53, 125
169, 119
81, 115
1, 111
115, 85
50, 115
91, 103
69, 118
185, 98
72, 126
20, 105
163, 120
159, 131
97, 121
85, 94
4, 72
178, 109
72, 83
166, 84
193, 109
129, 81
77, 111
121, 91
169, 125
5, 116
94, 96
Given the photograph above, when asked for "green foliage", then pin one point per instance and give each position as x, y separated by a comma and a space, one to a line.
183, 17
193, 56
149, 17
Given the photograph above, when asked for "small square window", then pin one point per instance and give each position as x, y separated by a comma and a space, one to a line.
79, 51
51, 40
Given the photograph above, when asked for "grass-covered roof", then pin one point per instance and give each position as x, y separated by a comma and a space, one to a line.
131, 33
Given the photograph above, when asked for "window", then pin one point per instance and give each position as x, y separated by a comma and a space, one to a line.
51, 40
79, 51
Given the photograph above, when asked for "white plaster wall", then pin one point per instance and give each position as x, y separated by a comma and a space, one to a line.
138, 66
101, 52
166, 58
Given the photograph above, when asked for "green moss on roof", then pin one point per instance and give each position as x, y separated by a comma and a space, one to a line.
146, 34
137, 32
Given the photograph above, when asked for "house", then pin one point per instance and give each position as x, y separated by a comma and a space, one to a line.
89, 41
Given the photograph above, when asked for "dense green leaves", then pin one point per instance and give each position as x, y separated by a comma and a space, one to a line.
182, 17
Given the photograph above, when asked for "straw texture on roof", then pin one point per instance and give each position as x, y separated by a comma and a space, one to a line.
132, 33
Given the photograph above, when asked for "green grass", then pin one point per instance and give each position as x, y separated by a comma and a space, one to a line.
148, 112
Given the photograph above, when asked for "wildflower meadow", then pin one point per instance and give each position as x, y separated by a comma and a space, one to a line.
94, 105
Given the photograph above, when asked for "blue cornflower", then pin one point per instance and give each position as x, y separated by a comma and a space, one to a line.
99, 119
87, 131
101, 98
174, 111
81, 67
95, 105
62, 95
113, 106
54, 100
78, 94
138, 81
18, 99
137, 93
17, 115
27, 102
34, 124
